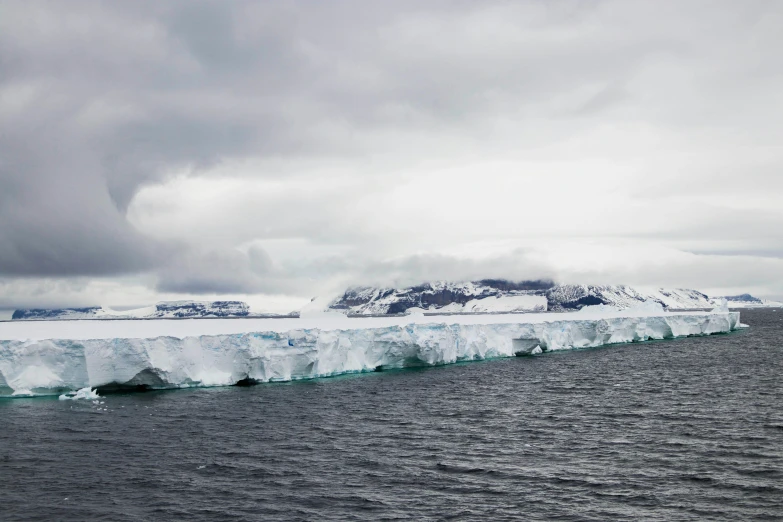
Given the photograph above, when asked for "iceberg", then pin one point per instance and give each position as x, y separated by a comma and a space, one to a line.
58, 357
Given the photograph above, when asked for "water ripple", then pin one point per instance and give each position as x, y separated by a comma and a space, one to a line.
676, 430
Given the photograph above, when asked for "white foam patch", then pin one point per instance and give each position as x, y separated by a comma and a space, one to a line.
84, 393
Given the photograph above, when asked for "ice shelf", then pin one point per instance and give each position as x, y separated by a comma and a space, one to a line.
73, 355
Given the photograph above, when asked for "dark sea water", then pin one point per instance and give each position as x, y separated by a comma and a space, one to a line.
690, 429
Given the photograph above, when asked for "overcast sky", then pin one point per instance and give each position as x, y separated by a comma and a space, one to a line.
275, 151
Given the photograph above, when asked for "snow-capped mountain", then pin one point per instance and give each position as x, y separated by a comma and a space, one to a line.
748, 301
478, 296
570, 297
505, 296
164, 310
485, 296
742, 298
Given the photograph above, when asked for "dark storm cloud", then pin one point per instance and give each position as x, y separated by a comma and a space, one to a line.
101, 99
56, 214
89, 118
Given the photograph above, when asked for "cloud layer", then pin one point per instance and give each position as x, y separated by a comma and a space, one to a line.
150, 149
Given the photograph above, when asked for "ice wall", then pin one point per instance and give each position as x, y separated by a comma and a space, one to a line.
30, 367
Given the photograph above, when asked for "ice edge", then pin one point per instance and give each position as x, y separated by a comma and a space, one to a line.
52, 367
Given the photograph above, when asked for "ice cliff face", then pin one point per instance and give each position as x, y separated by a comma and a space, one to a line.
54, 366
505, 296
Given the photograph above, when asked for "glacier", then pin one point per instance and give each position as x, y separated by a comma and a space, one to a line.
57, 357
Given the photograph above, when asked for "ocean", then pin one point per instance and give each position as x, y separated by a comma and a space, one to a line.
685, 429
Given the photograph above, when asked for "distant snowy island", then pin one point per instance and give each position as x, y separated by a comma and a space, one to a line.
500, 296
748, 301
164, 310
477, 297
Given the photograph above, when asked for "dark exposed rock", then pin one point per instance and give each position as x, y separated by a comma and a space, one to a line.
559, 297
199, 309
508, 286
433, 295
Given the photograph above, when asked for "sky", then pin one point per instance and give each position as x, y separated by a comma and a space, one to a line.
278, 151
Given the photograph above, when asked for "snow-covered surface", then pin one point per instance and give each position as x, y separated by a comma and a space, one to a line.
56, 356
446, 296
623, 296
748, 301
764, 304
486, 296
162, 310
495, 304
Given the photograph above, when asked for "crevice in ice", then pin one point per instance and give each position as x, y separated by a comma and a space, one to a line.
116, 387
247, 381
526, 346
418, 362
145, 380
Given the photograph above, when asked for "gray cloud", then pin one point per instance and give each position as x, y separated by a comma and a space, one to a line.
102, 104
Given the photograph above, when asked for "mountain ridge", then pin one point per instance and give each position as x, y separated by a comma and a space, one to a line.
492, 295
482, 296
